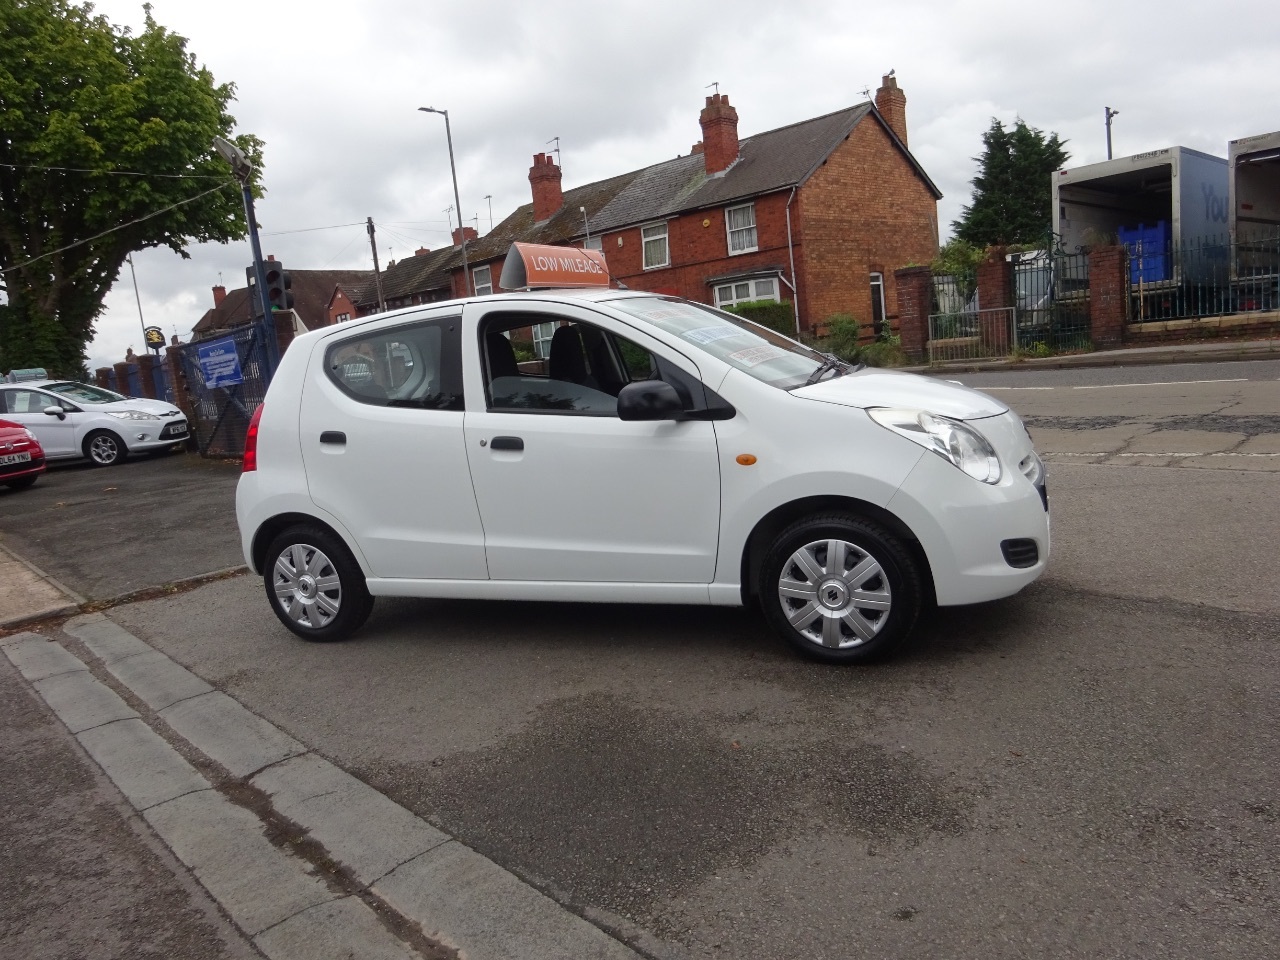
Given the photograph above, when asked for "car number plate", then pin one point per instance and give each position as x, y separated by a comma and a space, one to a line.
9, 458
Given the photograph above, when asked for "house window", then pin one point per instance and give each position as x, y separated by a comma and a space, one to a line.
744, 291
342, 318
655, 246
593, 243
542, 334
482, 280
741, 224
877, 303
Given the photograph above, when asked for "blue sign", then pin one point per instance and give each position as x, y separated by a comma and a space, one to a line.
220, 363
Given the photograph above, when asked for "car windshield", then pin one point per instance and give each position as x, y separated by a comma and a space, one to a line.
754, 349
83, 393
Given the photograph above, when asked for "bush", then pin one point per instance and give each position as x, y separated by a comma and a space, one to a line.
775, 315
885, 352
844, 334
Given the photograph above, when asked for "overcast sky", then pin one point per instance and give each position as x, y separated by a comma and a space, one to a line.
333, 90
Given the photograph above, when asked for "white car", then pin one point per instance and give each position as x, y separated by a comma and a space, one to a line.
73, 419
665, 452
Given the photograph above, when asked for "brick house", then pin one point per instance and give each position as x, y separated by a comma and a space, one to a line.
819, 213
320, 297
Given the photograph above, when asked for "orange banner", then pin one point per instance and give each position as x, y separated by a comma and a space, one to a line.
531, 265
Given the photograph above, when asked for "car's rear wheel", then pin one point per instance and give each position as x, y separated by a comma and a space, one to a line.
841, 588
314, 585
22, 482
104, 449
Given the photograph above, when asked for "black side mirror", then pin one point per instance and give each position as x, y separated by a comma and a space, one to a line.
53, 410
650, 400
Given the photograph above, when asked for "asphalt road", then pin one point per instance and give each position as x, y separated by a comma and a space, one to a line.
1087, 769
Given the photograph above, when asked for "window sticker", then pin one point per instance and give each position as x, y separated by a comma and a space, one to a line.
705, 335
754, 356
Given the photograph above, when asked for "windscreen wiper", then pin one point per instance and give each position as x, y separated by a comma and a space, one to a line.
829, 362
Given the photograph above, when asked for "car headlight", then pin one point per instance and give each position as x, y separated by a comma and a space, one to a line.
132, 415
953, 440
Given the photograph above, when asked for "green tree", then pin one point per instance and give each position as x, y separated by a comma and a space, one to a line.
104, 147
1011, 193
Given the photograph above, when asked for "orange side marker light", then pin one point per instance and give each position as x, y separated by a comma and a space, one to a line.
746, 459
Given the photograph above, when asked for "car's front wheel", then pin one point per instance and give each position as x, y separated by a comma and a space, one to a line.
104, 448
22, 482
314, 585
841, 588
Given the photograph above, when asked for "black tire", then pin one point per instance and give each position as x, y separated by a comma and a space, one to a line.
102, 448
22, 482
304, 605
831, 614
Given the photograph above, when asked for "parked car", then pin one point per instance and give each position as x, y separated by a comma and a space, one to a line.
21, 458
80, 420
673, 453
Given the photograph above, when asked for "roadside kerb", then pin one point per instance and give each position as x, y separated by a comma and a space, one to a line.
28, 594
453, 894
270, 894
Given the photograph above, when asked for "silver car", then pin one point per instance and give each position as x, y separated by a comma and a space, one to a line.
73, 420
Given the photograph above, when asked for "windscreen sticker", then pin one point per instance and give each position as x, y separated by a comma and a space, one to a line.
754, 356
658, 314
705, 335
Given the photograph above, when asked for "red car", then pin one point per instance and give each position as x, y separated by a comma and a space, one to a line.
21, 456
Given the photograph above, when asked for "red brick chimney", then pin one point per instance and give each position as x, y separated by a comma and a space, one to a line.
544, 178
719, 133
423, 251
219, 294
892, 104
459, 233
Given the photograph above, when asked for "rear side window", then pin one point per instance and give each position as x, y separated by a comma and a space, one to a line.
415, 365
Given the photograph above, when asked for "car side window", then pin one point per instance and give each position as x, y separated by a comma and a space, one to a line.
584, 369
27, 401
415, 365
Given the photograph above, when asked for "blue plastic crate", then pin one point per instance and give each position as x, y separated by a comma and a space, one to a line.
1148, 248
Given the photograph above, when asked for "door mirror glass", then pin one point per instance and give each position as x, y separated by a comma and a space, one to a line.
650, 400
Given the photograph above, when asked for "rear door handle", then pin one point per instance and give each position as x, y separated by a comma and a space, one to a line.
507, 443
333, 436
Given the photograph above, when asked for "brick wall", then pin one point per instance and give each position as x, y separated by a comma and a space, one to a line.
915, 298
865, 210
1108, 296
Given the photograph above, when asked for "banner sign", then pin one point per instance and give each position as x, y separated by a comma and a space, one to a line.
531, 265
219, 363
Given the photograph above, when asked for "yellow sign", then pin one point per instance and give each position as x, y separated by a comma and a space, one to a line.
154, 335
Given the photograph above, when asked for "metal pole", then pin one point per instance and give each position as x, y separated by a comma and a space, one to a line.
489, 197
1109, 114
457, 201
260, 278
586, 224
136, 296
377, 274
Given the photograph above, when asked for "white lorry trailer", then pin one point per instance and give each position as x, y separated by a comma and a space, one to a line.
1254, 203
1165, 200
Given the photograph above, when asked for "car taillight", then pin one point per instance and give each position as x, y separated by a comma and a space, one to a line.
251, 442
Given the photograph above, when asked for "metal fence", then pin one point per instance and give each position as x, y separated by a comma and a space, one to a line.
222, 413
972, 334
1205, 277
1051, 294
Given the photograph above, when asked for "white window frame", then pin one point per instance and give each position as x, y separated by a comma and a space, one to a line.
485, 288
753, 290
730, 231
542, 334
645, 240
594, 243
877, 297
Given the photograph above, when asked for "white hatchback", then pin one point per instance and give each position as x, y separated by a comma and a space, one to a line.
73, 419
663, 452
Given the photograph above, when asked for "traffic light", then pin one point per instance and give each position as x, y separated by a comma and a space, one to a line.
278, 284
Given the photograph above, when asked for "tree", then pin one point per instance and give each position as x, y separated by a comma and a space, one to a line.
105, 147
1011, 193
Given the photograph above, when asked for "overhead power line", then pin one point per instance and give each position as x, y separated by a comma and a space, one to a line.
114, 173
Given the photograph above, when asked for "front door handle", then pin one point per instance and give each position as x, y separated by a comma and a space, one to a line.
507, 443
333, 436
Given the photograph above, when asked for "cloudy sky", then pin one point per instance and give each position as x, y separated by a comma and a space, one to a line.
333, 89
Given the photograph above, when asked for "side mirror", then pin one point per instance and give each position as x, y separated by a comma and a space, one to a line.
53, 410
650, 400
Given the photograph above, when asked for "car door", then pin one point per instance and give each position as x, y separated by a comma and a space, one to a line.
382, 443
567, 491
56, 434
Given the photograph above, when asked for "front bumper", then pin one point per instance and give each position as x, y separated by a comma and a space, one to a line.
962, 523
141, 436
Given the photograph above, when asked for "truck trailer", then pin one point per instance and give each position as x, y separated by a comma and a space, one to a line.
1254, 200
1159, 204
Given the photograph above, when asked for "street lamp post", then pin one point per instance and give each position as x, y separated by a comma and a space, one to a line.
1109, 114
457, 201
242, 169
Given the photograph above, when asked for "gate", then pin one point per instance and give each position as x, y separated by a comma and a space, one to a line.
221, 408
972, 334
1051, 293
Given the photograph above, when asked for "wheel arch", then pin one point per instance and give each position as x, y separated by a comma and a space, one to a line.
274, 526
782, 516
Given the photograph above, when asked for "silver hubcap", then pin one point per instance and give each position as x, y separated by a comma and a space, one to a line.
834, 593
307, 586
103, 449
